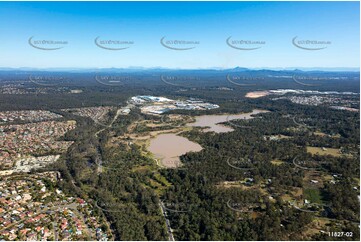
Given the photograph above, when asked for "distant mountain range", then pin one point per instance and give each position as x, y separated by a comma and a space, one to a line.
161, 69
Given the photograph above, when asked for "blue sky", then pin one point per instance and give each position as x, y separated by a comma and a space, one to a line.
209, 23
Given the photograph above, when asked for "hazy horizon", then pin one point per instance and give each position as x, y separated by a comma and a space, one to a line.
352, 69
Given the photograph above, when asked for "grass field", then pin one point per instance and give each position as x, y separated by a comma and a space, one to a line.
276, 162
312, 195
320, 151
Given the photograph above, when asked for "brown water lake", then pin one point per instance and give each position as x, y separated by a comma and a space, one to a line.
168, 148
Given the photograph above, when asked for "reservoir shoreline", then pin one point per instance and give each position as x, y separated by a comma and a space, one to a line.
167, 147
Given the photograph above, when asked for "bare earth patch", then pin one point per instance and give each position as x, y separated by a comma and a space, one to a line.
257, 94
